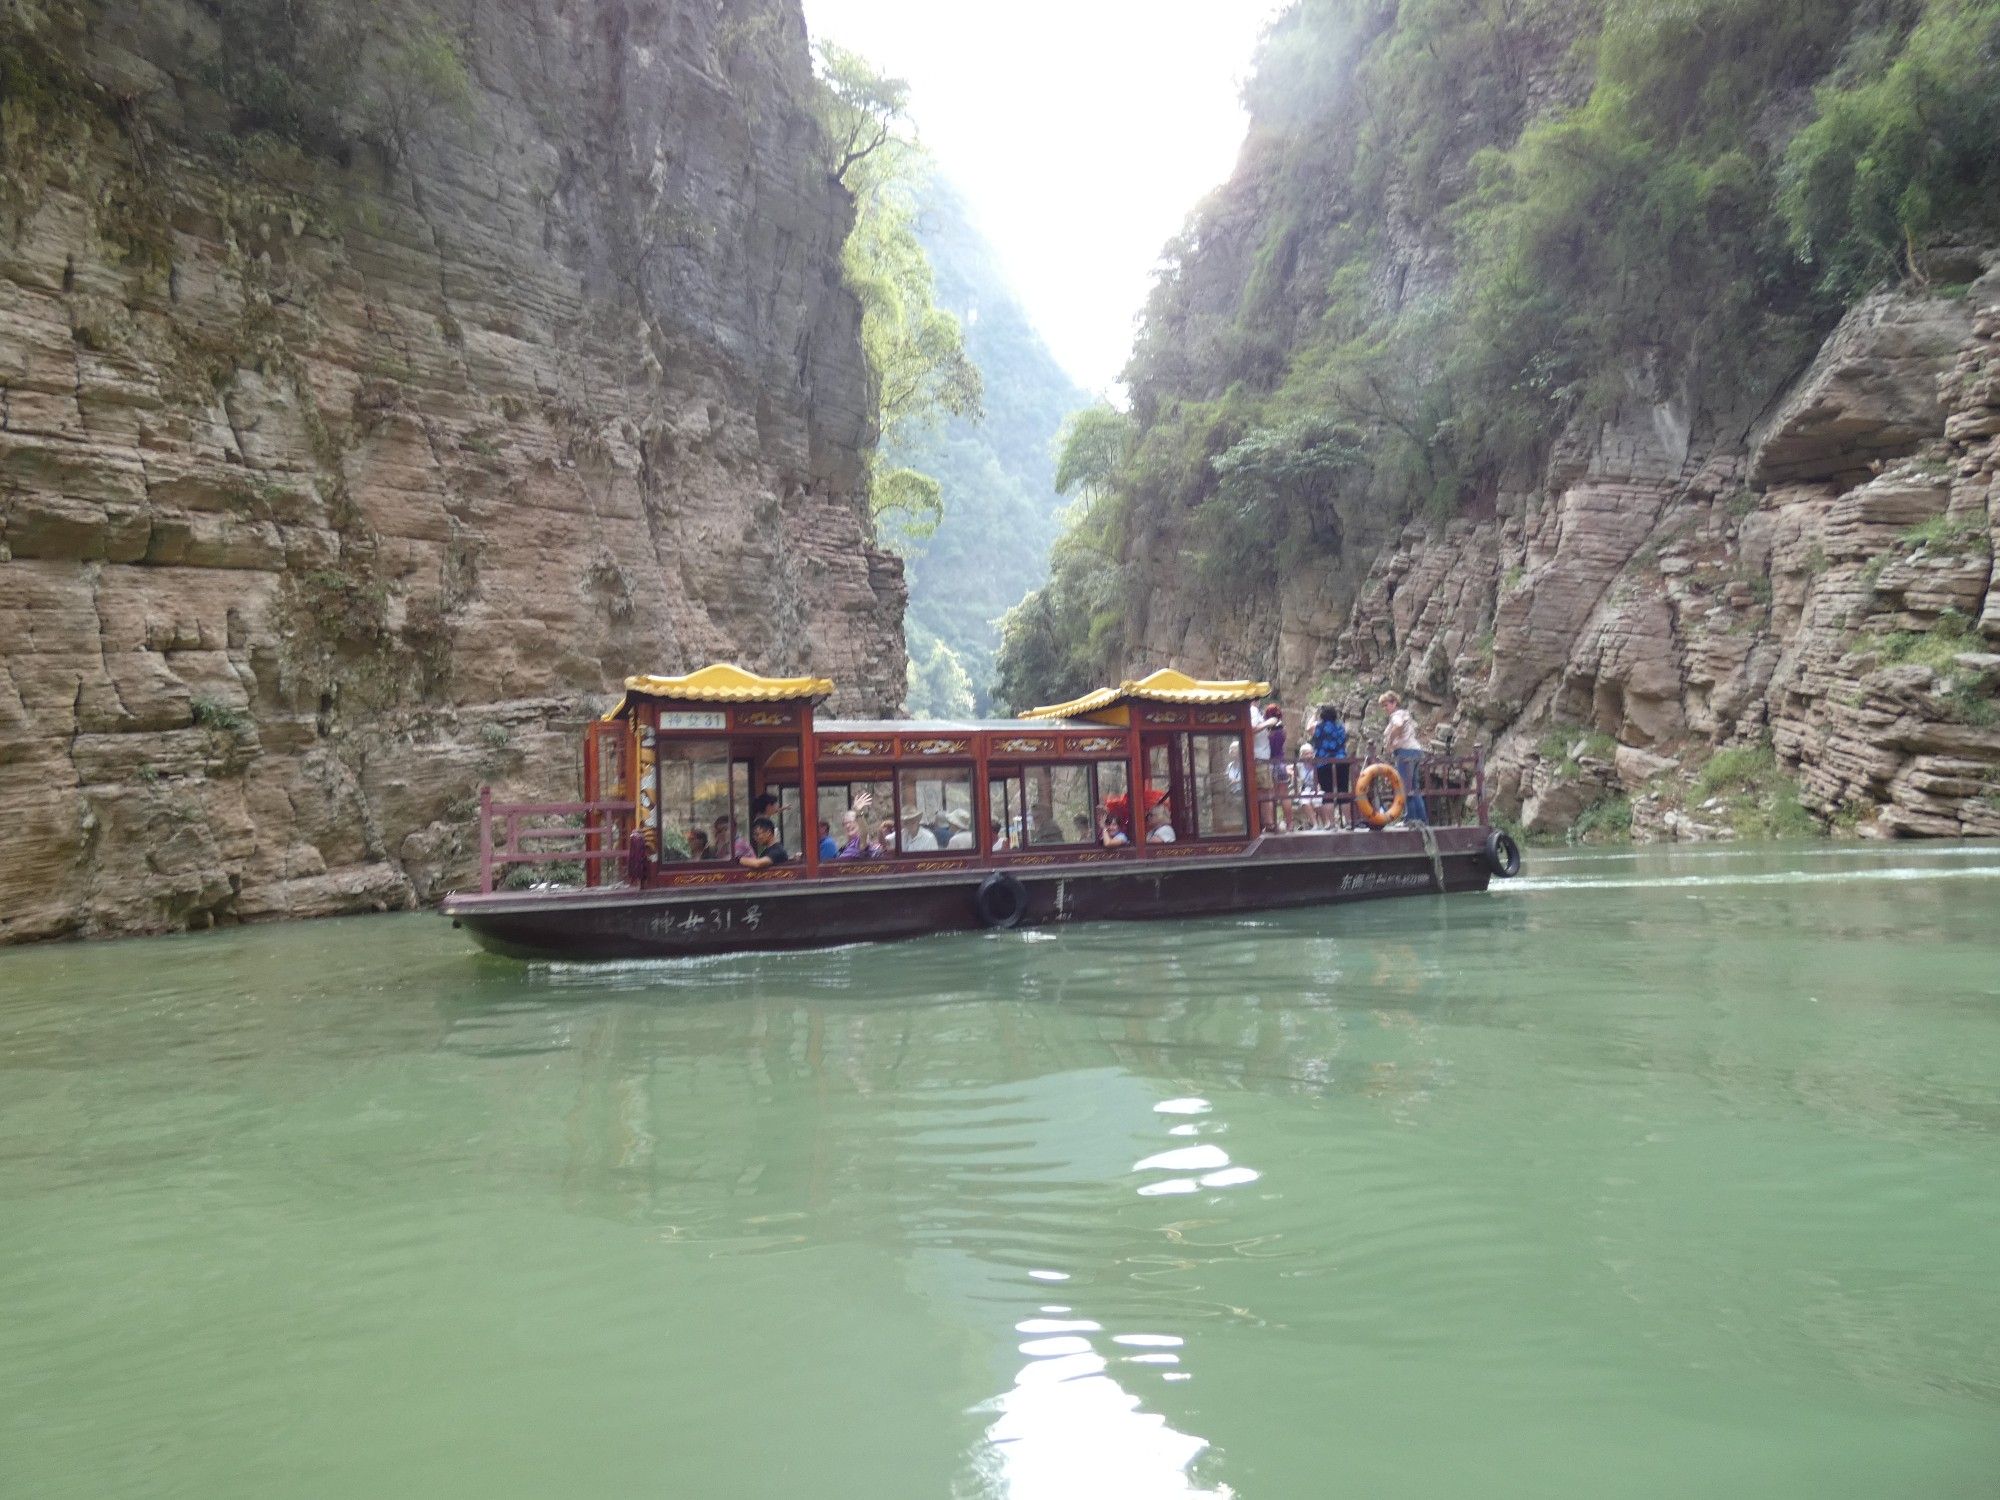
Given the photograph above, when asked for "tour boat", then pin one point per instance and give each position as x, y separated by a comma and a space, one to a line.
995, 824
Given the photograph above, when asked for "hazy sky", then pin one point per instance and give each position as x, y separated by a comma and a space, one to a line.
1082, 132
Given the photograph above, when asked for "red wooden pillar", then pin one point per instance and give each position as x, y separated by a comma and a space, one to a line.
1251, 791
982, 809
809, 789
1135, 800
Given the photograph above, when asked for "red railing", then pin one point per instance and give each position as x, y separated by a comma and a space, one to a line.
1453, 788
517, 834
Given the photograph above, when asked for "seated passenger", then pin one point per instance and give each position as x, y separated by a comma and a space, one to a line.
920, 840
1000, 844
697, 844
885, 837
723, 842
960, 822
1111, 833
855, 842
1082, 829
1159, 827
769, 851
828, 849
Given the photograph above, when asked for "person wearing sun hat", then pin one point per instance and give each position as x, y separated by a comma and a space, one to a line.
917, 837
961, 829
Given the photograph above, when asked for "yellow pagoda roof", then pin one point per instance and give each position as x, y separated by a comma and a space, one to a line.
1163, 686
723, 682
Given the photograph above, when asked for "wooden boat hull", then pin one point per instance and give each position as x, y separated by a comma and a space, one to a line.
1273, 872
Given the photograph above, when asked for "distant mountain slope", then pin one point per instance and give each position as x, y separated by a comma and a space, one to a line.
998, 474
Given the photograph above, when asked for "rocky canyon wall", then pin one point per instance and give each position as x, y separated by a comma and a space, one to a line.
334, 486
1824, 590
1719, 555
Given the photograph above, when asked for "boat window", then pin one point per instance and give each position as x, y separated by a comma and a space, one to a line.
1114, 779
1007, 807
837, 797
1041, 805
691, 788
932, 806
1058, 804
1218, 793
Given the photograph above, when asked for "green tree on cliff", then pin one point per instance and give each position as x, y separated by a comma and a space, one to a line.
916, 353
1044, 656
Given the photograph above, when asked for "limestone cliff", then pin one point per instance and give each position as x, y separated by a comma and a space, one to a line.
336, 480
1567, 366
1826, 589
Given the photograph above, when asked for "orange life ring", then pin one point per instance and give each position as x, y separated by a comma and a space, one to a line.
1373, 812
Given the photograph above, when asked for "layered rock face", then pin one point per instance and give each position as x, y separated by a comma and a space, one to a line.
1825, 588
329, 492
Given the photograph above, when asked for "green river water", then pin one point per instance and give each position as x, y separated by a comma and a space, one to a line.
1663, 1173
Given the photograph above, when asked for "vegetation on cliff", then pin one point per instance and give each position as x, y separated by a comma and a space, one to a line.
916, 352
969, 398
1462, 228
997, 475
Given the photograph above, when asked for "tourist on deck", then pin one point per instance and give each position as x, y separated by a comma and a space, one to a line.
764, 805
1111, 833
1400, 740
1329, 742
885, 837
1000, 843
1260, 751
767, 851
828, 849
723, 842
856, 843
960, 823
1268, 742
1159, 826
697, 844
1308, 806
919, 840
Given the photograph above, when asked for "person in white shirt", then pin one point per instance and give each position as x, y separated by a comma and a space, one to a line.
1159, 827
961, 829
1260, 747
1400, 740
917, 838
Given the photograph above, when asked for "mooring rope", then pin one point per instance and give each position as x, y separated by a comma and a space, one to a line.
1437, 860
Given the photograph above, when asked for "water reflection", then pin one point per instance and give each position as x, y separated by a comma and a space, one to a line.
1068, 1428
1117, 1211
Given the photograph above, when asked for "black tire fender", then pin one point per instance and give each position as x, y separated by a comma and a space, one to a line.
1503, 855
1001, 901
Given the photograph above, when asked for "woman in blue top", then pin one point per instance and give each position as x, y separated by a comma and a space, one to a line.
1329, 742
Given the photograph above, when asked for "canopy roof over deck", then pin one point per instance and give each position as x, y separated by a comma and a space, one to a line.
722, 682
1163, 686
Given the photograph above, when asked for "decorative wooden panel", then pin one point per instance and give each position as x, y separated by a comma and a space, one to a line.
855, 749
934, 747
1096, 744
1023, 744
767, 718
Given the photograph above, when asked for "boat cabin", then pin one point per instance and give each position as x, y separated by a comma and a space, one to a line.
683, 762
